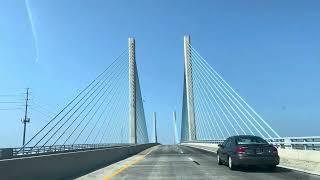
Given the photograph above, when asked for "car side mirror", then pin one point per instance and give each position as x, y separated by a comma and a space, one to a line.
220, 145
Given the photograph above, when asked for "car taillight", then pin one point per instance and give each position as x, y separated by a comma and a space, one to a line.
240, 150
274, 150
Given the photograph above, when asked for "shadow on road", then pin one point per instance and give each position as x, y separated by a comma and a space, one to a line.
257, 169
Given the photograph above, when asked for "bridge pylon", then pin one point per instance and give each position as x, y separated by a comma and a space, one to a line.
155, 127
132, 92
192, 135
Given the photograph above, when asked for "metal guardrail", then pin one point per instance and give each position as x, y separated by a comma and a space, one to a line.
214, 141
303, 143
8, 153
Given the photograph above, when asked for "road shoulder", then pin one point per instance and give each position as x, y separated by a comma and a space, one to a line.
116, 168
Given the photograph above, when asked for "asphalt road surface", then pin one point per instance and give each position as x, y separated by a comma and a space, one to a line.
182, 162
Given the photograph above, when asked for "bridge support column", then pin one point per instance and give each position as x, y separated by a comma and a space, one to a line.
155, 127
189, 89
132, 93
174, 127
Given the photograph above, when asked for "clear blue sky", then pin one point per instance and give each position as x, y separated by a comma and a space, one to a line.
267, 50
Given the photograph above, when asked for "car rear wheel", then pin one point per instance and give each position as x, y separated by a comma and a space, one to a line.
230, 163
218, 159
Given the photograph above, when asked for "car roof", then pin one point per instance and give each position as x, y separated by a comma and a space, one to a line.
244, 136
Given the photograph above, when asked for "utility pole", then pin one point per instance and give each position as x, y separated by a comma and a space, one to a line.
26, 119
174, 127
155, 127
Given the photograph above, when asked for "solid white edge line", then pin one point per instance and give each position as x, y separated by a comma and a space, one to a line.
300, 170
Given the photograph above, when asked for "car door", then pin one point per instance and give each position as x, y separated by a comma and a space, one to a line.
223, 151
229, 147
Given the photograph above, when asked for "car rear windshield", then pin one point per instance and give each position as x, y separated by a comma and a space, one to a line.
250, 140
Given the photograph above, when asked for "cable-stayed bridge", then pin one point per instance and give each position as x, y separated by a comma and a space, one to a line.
105, 123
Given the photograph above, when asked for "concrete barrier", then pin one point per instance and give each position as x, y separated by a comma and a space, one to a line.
65, 165
300, 155
205, 146
301, 160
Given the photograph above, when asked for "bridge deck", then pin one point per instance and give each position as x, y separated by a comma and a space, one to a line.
181, 162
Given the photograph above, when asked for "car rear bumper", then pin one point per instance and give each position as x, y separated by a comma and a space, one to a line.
256, 160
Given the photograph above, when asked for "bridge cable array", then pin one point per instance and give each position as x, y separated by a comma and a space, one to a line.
219, 110
99, 114
142, 134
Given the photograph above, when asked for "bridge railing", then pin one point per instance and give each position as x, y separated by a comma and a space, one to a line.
303, 143
8, 153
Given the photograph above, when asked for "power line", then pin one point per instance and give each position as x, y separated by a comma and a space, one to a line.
43, 108
42, 113
9, 109
7, 102
10, 95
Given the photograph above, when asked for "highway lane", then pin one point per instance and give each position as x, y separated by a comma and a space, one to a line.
182, 162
